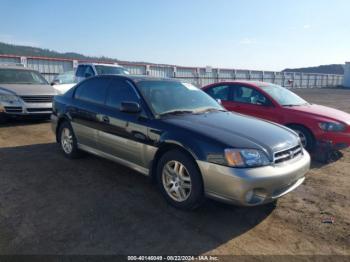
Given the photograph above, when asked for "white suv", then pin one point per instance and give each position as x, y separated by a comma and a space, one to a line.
63, 82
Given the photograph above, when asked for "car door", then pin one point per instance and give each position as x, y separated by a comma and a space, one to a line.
250, 101
89, 97
123, 135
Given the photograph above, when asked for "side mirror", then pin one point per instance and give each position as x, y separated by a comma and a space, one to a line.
130, 107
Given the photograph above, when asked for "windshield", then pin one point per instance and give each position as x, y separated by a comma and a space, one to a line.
20, 76
175, 97
283, 96
111, 70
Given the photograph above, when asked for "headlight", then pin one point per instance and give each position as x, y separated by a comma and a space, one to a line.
246, 158
8, 98
332, 126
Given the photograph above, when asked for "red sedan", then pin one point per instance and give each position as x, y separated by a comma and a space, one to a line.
313, 123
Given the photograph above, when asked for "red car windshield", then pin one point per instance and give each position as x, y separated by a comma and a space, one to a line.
283, 96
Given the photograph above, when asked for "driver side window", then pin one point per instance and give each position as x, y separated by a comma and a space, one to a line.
243, 94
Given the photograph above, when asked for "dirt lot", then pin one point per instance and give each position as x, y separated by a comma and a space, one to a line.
52, 205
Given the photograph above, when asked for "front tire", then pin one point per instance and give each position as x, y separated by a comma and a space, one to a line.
179, 180
306, 137
68, 141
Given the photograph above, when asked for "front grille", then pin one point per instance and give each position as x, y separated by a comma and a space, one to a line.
37, 99
287, 154
33, 110
13, 109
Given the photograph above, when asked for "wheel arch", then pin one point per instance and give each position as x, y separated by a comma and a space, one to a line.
61, 120
314, 140
166, 147
290, 125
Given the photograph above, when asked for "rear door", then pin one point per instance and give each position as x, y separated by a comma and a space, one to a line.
89, 98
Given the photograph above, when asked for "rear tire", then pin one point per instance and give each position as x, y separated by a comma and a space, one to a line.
306, 137
68, 141
179, 180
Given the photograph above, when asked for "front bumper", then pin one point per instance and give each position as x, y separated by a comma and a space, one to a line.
337, 140
253, 186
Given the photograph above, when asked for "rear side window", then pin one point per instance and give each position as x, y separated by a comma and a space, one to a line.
120, 91
93, 90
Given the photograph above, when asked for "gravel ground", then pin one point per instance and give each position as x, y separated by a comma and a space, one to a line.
52, 205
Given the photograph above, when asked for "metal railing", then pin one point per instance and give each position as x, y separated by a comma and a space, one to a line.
200, 76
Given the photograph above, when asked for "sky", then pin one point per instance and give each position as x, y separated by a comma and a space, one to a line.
254, 34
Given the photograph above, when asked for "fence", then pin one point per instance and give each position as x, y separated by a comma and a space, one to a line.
50, 67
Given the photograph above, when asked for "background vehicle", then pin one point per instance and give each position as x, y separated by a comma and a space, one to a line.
24, 92
87, 70
314, 123
63, 82
182, 137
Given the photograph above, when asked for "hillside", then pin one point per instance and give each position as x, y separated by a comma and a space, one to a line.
36, 51
323, 69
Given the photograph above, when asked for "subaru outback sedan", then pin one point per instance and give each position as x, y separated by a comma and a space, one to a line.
182, 138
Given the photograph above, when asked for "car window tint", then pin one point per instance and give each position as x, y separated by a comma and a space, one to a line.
81, 71
93, 90
220, 92
120, 91
243, 94
89, 71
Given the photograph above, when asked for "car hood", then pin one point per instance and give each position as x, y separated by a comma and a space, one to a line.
323, 111
238, 131
62, 88
27, 90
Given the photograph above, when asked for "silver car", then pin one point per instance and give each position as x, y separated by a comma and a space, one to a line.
24, 92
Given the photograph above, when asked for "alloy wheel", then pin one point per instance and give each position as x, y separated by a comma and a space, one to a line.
176, 181
67, 140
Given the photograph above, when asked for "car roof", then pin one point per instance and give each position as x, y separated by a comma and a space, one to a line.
101, 64
138, 78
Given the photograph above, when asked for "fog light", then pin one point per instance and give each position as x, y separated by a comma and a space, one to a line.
255, 196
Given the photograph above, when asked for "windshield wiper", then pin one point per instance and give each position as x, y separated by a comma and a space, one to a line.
176, 112
209, 109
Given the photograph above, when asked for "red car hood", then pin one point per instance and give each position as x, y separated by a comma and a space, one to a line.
323, 111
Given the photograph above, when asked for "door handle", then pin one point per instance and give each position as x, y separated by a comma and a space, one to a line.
105, 119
